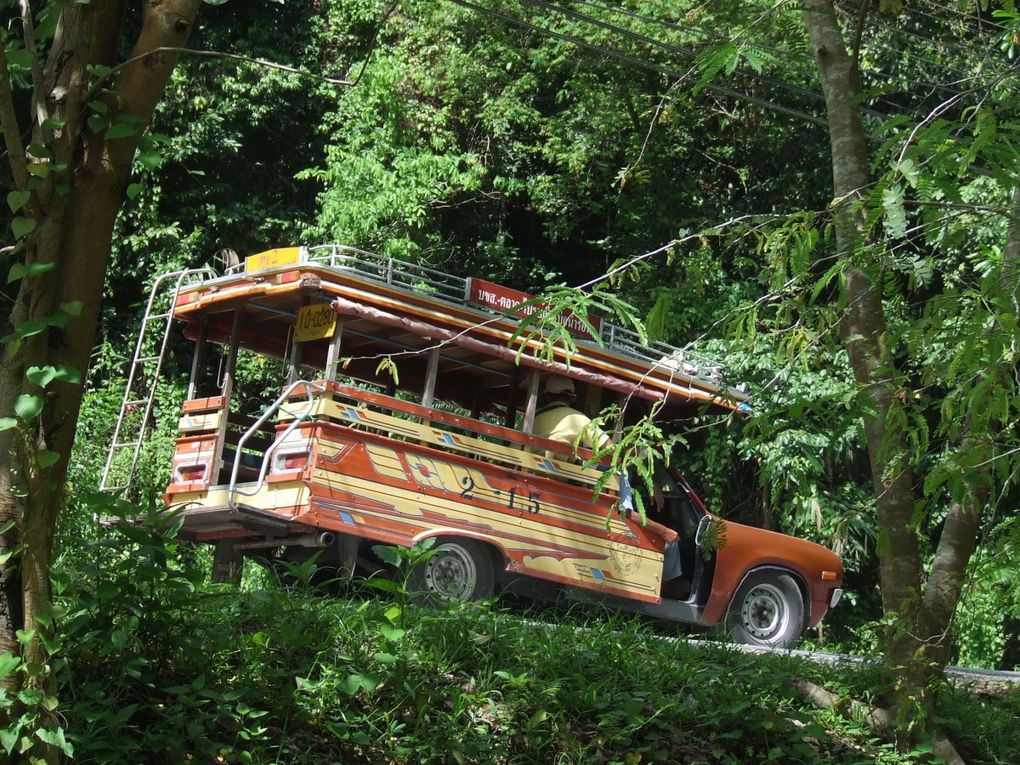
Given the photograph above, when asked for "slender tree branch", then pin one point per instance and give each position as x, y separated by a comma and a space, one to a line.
932, 116
1011, 251
210, 54
627, 171
375, 38
856, 45
9, 120
28, 31
662, 248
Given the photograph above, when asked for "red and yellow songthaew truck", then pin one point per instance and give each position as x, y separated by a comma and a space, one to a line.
404, 411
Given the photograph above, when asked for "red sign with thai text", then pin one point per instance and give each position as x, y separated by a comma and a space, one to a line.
507, 300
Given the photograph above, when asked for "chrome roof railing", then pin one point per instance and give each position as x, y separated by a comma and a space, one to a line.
454, 289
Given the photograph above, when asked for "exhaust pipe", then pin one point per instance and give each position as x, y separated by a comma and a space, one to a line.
325, 539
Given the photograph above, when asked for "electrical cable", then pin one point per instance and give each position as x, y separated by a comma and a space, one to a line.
677, 27
669, 72
672, 26
687, 53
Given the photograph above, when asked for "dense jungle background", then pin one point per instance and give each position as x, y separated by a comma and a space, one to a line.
537, 144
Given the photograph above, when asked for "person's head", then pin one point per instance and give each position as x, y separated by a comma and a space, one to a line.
559, 389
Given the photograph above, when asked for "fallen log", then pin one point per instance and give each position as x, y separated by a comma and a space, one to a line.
877, 718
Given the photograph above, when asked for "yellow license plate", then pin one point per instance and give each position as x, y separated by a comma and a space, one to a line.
314, 322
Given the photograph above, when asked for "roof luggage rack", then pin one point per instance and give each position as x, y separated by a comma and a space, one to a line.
456, 290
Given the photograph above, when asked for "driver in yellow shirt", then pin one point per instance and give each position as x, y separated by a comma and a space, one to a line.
559, 421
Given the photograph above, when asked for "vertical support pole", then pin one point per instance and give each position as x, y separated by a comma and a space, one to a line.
531, 407
227, 390
227, 384
511, 404
294, 362
196, 359
476, 403
592, 400
333, 351
431, 372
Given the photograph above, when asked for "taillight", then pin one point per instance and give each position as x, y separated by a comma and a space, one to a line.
287, 461
190, 473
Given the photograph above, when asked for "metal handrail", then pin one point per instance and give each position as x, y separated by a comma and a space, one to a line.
401, 273
391, 271
278, 404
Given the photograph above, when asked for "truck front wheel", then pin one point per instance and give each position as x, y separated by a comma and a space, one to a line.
768, 610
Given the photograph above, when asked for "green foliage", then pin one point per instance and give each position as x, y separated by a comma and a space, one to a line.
545, 329
985, 622
29, 708
495, 150
160, 666
473, 142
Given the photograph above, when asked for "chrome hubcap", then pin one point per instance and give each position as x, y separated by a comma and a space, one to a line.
451, 573
764, 613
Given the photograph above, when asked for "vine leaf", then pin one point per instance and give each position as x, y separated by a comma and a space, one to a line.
895, 214
28, 406
22, 226
120, 130
46, 458
18, 199
41, 376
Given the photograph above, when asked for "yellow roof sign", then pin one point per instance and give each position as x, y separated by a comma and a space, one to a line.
282, 256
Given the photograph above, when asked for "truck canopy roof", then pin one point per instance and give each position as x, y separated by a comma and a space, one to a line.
408, 312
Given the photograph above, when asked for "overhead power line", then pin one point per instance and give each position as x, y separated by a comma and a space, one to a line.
756, 44
674, 26
649, 65
685, 52
883, 19
644, 39
691, 55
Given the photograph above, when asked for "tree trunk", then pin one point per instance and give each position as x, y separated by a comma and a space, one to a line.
920, 641
863, 329
74, 206
963, 521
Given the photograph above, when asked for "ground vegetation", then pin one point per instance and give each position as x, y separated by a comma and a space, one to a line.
836, 184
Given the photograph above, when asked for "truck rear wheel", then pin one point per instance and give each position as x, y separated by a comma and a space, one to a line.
458, 570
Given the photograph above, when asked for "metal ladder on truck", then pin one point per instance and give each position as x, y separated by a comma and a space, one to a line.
140, 390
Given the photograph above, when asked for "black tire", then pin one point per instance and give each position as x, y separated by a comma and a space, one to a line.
228, 563
460, 570
767, 610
